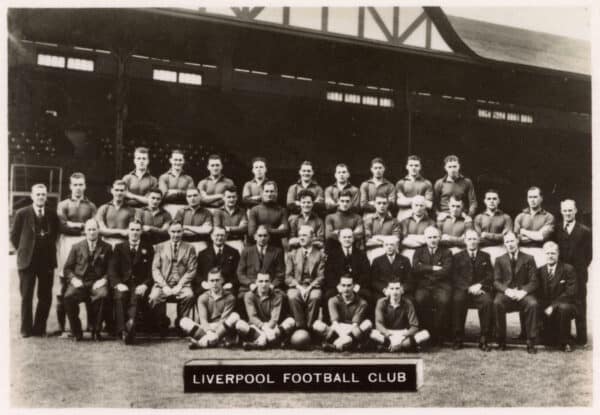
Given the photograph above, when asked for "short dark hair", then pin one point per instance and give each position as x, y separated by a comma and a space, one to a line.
341, 166
255, 159
346, 275
155, 190
377, 160
215, 157
306, 193
175, 222
77, 175
491, 191
271, 183
141, 150
136, 222
413, 157
380, 194
345, 193
535, 188
450, 158
230, 188
177, 151
119, 182
306, 163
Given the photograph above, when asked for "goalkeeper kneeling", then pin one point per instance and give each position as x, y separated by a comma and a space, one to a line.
349, 326
396, 323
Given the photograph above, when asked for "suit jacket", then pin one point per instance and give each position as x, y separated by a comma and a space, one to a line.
562, 288
382, 272
338, 264
314, 268
524, 278
228, 263
576, 248
164, 262
250, 265
132, 272
465, 273
78, 262
423, 264
22, 236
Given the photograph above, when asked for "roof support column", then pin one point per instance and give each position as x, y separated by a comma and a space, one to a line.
121, 92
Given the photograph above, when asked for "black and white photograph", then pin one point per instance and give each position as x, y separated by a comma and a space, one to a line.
324, 205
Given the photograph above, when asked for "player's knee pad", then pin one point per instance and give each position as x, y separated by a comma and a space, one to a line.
396, 343
342, 342
242, 327
377, 336
192, 328
288, 324
421, 336
232, 319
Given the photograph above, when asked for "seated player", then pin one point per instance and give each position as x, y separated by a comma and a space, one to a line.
492, 223
304, 276
154, 219
413, 227
269, 214
344, 218
233, 219
558, 298
216, 319
379, 225
266, 325
72, 214
212, 187
332, 193
305, 182
139, 180
411, 185
454, 225
390, 266
346, 259
396, 322
350, 326
130, 276
306, 217
515, 281
114, 217
253, 189
260, 258
86, 270
472, 281
197, 221
432, 266
173, 269
218, 255
377, 184
174, 183
453, 184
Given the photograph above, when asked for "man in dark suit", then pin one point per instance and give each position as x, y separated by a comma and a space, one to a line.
346, 259
130, 275
472, 280
86, 270
558, 298
33, 235
263, 258
391, 266
304, 276
218, 255
432, 267
515, 279
575, 247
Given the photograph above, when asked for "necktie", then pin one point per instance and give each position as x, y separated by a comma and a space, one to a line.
261, 256
219, 253
513, 264
133, 251
175, 251
304, 261
40, 212
550, 273
347, 252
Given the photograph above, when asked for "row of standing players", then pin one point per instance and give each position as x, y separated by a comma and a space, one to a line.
534, 225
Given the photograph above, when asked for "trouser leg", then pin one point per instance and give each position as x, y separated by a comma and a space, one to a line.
73, 296
312, 306
564, 314
441, 302
60, 306
530, 310
484, 305
296, 304
120, 302
581, 315
26, 286
459, 313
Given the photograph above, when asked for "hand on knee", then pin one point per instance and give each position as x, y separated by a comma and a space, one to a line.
242, 327
232, 319
288, 324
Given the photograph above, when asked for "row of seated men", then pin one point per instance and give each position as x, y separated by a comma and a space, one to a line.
533, 226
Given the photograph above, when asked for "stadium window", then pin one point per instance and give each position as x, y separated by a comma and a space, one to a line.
511, 116
499, 115
190, 78
352, 98
53, 61
526, 119
481, 113
164, 75
369, 100
335, 96
80, 64
386, 102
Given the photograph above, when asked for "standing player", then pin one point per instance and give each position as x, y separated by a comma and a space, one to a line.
453, 184
304, 276
350, 326
534, 225
233, 219
216, 317
396, 322
306, 217
411, 185
266, 325
253, 189
139, 180
377, 184
378, 226
342, 183
575, 242
212, 188
114, 217
174, 183
305, 182
270, 215
196, 220
72, 214
344, 218
154, 219
33, 234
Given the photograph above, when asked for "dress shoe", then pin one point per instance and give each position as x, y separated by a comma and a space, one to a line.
78, 337
96, 336
457, 345
531, 349
25, 335
568, 348
502, 346
252, 346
